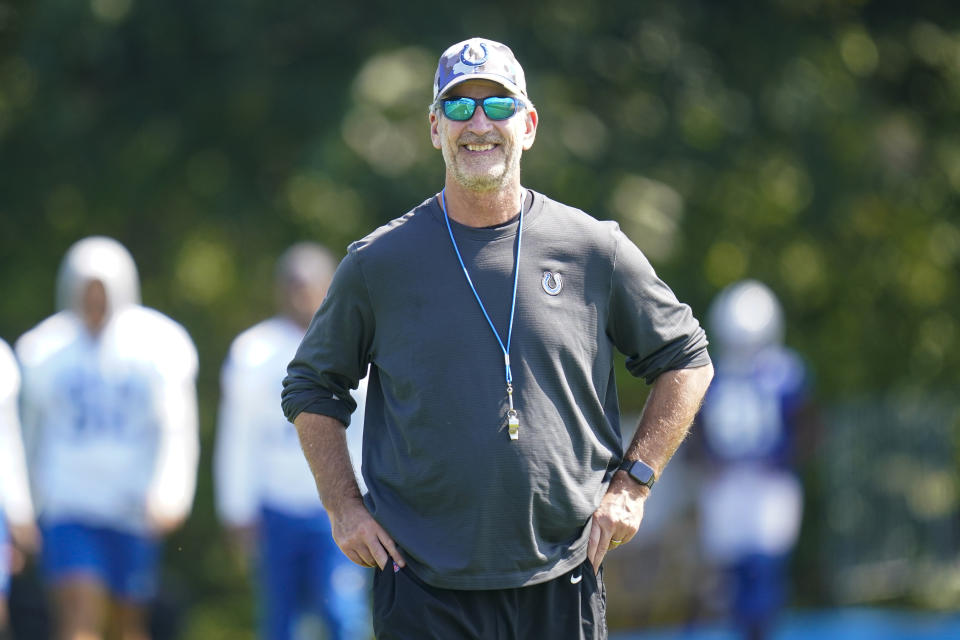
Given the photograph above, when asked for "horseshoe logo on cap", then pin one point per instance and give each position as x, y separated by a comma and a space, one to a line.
552, 282
472, 56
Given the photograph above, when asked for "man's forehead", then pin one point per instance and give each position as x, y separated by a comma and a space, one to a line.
478, 88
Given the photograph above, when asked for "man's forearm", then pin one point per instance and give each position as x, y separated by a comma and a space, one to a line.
674, 400
359, 536
324, 443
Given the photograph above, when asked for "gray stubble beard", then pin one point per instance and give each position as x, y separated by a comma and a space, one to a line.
483, 183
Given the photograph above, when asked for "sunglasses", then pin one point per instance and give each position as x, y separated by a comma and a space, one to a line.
495, 107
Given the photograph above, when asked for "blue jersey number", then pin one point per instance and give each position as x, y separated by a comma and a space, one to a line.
99, 407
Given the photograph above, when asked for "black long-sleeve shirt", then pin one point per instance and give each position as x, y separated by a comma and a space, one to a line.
469, 507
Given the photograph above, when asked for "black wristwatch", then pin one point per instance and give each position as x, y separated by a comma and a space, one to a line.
640, 471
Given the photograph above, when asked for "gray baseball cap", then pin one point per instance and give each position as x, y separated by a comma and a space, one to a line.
479, 59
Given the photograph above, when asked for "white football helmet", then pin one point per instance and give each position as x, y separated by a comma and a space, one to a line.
745, 318
98, 258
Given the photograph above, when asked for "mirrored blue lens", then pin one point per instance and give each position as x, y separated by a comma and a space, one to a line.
459, 109
498, 108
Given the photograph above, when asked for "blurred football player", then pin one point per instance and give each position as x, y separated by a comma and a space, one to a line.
110, 421
18, 533
266, 495
751, 502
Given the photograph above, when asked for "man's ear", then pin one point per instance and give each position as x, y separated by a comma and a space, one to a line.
530, 120
434, 129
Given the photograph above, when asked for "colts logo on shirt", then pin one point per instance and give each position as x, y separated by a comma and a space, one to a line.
552, 282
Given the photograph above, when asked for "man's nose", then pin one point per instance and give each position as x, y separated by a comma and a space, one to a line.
479, 122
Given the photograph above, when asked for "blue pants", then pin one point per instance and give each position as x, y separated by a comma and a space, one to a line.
303, 571
760, 589
126, 564
4, 557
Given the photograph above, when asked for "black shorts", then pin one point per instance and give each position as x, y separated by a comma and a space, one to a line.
569, 607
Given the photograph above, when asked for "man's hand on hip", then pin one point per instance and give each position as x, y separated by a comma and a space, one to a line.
361, 538
617, 518
355, 531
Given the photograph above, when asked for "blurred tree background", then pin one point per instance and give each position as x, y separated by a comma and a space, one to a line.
812, 144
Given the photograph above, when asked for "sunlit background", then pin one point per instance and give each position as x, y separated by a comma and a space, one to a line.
811, 144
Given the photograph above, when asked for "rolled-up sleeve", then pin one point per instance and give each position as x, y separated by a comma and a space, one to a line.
647, 323
335, 352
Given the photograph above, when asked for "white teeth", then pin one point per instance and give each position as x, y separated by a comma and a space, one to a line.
479, 147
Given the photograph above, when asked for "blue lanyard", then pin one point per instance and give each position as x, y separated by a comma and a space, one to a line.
516, 274
511, 414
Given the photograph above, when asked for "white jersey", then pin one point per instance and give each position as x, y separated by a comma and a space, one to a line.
15, 503
258, 460
110, 421
748, 509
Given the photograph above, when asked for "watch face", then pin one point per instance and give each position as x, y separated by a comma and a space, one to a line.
642, 473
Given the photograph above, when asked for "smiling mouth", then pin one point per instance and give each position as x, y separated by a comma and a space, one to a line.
479, 147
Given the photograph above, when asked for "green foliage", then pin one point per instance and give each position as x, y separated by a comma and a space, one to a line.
807, 143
